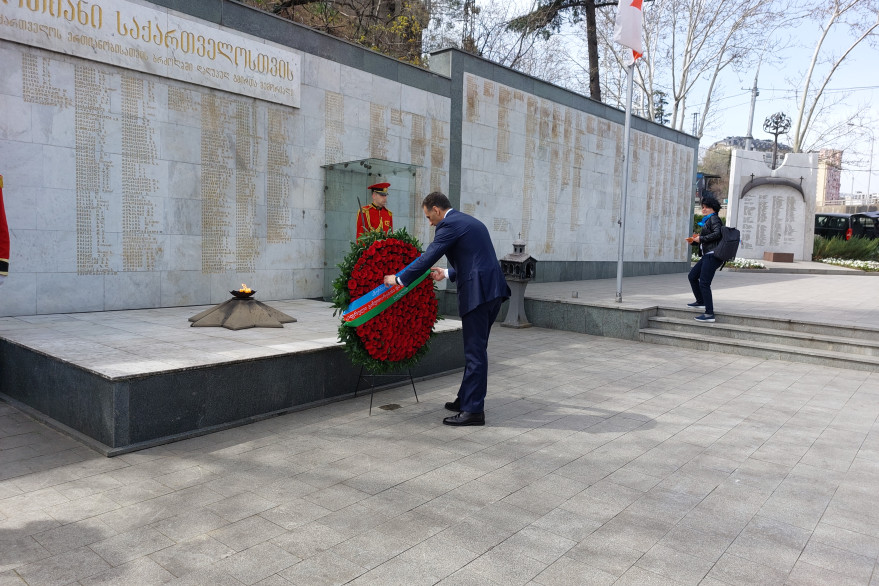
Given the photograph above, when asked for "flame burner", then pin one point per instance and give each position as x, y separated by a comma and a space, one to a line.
241, 312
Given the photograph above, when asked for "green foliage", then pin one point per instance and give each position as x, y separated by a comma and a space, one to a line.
837, 247
717, 161
660, 116
393, 29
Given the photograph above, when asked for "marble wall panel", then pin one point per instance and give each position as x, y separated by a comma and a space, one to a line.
44, 251
24, 161
59, 292
24, 302
130, 290
116, 178
277, 284
560, 170
15, 124
182, 252
29, 213
382, 92
53, 126
179, 144
11, 68
185, 287
184, 181
182, 217
413, 100
359, 84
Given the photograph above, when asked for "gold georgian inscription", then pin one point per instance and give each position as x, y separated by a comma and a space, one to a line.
141, 38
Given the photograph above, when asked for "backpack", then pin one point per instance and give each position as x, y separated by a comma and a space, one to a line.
729, 244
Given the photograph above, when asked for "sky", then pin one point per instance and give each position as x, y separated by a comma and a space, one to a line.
855, 84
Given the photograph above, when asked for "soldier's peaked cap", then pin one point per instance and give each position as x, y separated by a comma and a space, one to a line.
380, 187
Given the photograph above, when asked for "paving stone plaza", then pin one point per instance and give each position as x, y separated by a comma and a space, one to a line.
148, 172
603, 461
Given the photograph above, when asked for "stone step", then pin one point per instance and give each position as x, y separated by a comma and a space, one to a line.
712, 343
821, 329
770, 335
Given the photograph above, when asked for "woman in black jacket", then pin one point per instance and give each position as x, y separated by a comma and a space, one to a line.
703, 271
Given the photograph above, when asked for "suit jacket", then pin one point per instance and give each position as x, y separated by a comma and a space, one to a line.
473, 267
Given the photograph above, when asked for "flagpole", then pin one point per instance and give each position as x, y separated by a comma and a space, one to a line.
622, 220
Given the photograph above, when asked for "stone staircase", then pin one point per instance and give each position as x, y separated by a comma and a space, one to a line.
839, 346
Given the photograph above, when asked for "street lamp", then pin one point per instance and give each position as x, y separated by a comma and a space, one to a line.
778, 123
870, 168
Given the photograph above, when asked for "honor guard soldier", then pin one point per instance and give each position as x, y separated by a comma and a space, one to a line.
375, 216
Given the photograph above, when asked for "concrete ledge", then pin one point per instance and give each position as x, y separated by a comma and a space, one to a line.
597, 320
123, 414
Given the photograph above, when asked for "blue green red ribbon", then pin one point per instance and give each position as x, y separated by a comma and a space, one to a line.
368, 306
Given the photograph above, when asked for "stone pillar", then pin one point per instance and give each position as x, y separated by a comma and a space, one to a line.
518, 268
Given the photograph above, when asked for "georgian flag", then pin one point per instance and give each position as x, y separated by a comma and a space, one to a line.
627, 28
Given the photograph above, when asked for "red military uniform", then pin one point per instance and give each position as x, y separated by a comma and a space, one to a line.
4, 236
372, 217
375, 217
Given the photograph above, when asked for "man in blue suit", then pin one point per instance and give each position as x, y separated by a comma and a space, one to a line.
482, 289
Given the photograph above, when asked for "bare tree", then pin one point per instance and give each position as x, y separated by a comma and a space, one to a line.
860, 18
392, 27
547, 16
688, 44
483, 31
702, 40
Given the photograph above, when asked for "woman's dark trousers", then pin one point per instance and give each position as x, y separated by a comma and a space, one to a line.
700, 278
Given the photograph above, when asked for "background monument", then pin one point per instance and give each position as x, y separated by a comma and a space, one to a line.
773, 209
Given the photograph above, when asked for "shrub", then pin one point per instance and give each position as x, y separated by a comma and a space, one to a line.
837, 247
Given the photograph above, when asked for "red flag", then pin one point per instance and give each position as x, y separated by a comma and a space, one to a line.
4, 236
627, 28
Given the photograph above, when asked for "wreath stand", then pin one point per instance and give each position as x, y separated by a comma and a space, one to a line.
371, 378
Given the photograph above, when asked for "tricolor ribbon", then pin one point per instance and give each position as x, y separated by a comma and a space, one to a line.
376, 301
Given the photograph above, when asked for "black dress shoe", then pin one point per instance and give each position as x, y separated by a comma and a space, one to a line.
454, 405
464, 418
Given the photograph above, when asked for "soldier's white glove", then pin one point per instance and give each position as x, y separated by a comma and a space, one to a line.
2, 278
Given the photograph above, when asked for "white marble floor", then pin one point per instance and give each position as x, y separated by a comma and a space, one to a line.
125, 343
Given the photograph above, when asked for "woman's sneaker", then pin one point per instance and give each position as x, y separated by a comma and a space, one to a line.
696, 304
705, 317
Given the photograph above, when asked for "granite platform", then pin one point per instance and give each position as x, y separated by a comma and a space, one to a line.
121, 381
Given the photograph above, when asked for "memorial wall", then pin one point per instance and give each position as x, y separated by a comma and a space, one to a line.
551, 174
153, 158
773, 209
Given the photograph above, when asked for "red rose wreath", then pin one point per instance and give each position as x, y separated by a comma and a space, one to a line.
399, 336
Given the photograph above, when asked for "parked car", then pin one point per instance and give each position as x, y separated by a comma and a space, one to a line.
865, 225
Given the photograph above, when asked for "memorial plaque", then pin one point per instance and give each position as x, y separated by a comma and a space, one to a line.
773, 209
154, 40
